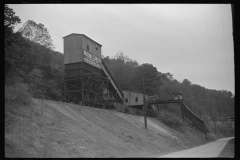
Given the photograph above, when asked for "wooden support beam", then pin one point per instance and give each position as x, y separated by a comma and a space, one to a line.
86, 81
78, 83
72, 86
88, 75
90, 85
65, 92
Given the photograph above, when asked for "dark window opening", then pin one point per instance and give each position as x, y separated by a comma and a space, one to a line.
126, 99
88, 47
96, 47
136, 99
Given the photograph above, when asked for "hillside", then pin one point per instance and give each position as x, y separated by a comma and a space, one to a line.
56, 129
43, 128
34, 69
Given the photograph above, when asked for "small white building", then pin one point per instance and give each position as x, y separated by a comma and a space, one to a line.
133, 98
177, 96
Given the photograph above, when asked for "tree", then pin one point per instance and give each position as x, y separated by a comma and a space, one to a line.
37, 33
10, 20
150, 75
169, 76
122, 69
11, 71
127, 73
35, 81
186, 82
29, 62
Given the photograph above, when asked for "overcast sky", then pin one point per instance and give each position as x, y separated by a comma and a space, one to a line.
190, 41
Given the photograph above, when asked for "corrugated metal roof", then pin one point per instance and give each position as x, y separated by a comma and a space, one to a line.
82, 35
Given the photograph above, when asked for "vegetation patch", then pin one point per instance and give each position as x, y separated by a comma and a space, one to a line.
170, 119
34, 70
229, 150
18, 93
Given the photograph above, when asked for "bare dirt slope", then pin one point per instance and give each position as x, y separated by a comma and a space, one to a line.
55, 129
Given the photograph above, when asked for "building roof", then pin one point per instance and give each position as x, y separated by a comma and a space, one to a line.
177, 93
135, 92
82, 35
132, 92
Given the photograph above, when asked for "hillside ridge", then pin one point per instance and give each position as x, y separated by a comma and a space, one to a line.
48, 128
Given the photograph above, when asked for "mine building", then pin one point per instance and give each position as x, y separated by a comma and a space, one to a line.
87, 79
177, 96
88, 82
133, 98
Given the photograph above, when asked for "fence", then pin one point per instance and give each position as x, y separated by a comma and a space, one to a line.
134, 111
122, 108
192, 118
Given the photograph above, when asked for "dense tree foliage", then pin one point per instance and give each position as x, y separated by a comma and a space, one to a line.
203, 102
31, 65
10, 20
37, 33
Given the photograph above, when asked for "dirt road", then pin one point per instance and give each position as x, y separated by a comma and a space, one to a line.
211, 149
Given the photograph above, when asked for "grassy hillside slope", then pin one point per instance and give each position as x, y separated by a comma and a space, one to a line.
55, 129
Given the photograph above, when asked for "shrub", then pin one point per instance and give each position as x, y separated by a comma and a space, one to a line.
170, 119
17, 93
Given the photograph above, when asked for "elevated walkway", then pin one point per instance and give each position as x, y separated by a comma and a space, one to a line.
187, 114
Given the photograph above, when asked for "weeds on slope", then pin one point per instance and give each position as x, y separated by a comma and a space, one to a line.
17, 93
171, 120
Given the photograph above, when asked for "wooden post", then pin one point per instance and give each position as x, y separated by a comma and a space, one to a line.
144, 105
182, 111
65, 92
214, 119
224, 127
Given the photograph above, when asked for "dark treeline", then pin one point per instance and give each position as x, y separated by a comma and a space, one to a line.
34, 69
202, 101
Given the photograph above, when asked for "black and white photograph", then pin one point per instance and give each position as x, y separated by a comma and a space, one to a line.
153, 80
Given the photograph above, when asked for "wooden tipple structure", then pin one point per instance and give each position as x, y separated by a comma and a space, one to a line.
87, 79
88, 82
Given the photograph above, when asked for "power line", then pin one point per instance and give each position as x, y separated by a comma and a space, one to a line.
211, 46
195, 44
34, 16
59, 26
62, 26
224, 45
27, 13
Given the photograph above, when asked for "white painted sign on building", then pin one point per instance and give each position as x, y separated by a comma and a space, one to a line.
92, 59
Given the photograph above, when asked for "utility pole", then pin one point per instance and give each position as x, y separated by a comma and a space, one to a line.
144, 100
65, 94
214, 119
143, 84
224, 128
144, 105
